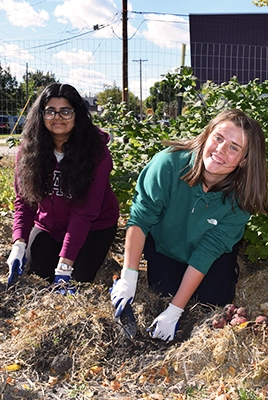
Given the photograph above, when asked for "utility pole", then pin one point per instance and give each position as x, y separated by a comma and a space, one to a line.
125, 53
140, 61
27, 85
183, 50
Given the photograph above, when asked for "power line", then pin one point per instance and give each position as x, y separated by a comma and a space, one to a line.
158, 13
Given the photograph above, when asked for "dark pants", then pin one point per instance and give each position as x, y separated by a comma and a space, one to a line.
165, 276
45, 255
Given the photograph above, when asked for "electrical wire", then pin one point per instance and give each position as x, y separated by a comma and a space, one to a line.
158, 13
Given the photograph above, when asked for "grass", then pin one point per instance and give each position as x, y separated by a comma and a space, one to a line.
7, 195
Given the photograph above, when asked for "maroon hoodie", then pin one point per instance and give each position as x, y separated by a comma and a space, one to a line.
66, 222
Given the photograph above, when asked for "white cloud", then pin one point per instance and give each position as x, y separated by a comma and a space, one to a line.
81, 13
134, 86
88, 82
17, 70
22, 14
167, 31
75, 57
13, 50
14, 58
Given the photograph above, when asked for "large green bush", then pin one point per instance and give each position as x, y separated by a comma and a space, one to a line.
134, 143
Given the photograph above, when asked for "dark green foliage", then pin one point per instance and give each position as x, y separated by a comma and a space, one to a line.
135, 142
10, 93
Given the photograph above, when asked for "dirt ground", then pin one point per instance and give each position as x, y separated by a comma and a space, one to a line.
70, 347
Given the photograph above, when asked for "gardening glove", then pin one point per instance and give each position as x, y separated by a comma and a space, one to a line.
123, 290
63, 276
16, 262
166, 324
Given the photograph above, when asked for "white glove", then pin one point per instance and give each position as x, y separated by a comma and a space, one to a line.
62, 278
166, 324
16, 260
123, 290
63, 273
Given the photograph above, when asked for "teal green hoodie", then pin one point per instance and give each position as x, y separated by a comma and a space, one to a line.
187, 224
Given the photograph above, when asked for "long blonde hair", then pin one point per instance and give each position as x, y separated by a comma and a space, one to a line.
247, 184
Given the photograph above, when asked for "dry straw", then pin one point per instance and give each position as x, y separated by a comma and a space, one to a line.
37, 326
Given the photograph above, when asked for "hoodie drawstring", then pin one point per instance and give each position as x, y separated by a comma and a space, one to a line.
200, 196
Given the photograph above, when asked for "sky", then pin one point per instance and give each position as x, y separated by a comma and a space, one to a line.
80, 41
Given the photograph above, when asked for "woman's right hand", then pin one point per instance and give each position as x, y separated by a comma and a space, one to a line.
124, 289
16, 261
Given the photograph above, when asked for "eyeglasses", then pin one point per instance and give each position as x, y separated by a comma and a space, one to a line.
64, 114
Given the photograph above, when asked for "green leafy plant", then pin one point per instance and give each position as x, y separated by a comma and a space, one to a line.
134, 143
256, 234
247, 395
7, 195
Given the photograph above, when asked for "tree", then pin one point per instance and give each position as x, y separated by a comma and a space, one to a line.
109, 92
113, 92
10, 94
165, 94
163, 91
34, 82
260, 3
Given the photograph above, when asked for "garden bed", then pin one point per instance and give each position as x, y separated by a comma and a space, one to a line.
56, 347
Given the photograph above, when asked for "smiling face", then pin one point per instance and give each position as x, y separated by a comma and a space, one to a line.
59, 128
224, 150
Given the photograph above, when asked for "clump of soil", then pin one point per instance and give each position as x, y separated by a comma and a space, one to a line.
71, 347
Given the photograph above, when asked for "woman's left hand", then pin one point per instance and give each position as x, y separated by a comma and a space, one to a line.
166, 324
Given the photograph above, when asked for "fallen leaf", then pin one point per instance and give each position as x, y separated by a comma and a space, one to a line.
33, 315
25, 386
12, 367
115, 385
163, 371
95, 370
58, 307
221, 389
53, 380
232, 371
10, 381
143, 379
105, 383
15, 331
243, 325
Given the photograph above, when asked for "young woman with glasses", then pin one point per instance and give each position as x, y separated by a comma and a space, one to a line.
65, 210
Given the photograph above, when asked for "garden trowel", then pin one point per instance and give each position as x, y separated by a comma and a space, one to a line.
126, 320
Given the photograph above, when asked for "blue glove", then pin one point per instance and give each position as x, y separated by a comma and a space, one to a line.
123, 290
16, 262
166, 324
62, 279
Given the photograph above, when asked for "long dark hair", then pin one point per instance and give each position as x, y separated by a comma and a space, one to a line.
82, 152
247, 184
